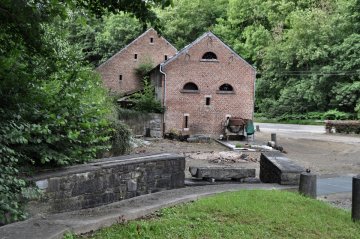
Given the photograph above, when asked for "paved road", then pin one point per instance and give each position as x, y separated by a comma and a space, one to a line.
326, 186
311, 132
293, 128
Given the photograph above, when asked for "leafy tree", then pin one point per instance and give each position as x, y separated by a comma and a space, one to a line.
186, 20
100, 38
53, 110
119, 30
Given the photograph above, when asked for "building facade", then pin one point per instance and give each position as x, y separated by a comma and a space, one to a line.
203, 85
118, 72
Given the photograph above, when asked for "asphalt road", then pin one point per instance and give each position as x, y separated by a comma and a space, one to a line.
267, 127
309, 132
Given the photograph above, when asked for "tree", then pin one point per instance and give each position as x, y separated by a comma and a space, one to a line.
186, 20
53, 110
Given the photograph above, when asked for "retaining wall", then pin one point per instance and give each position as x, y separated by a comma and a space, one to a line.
106, 181
139, 124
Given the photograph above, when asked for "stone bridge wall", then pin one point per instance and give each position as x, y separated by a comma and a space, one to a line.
106, 181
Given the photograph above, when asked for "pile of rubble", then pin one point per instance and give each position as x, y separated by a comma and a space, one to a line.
224, 157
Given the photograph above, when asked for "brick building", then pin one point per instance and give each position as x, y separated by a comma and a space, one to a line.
203, 85
118, 72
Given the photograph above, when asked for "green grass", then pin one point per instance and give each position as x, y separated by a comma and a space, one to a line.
303, 122
243, 214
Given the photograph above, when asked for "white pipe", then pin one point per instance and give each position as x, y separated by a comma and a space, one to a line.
164, 84
164, 97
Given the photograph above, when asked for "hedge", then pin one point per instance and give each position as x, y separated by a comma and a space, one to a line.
343, 126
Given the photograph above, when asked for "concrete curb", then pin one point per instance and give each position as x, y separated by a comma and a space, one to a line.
54, 226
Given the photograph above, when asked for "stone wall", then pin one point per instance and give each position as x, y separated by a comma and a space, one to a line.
138, 125
106, 181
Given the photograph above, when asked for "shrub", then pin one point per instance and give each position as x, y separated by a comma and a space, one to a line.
120, 138
146, 101
347, 126
144, 68
336, 115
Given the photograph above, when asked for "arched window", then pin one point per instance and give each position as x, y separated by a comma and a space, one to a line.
226, 87
209, 56
190, 86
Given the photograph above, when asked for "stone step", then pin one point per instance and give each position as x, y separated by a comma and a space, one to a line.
275, 167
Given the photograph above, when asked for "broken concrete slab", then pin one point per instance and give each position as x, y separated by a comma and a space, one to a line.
275, 167
221, 173
198, 138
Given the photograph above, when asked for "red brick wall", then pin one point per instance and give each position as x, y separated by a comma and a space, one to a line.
123, 62
208, 76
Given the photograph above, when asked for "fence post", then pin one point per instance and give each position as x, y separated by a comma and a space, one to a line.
355, 210
273, 138
307, 185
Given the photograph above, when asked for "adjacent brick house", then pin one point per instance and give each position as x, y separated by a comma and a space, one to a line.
202, 85
118, 72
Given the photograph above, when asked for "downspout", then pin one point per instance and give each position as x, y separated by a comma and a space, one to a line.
164, 98
254, 95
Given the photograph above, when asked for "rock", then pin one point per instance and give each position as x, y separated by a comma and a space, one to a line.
221, 173
276, 168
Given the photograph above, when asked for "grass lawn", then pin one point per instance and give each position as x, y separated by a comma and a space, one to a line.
243, 214
302, 122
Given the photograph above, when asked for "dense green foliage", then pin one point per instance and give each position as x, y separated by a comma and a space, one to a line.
53, 109
188, 19
306, 52
102, 38
145, 101
243, 214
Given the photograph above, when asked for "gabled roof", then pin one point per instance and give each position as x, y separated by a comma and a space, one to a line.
186, 48
128, 45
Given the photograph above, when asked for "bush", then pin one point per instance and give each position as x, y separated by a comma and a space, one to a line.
329, 115
53, 112
120, 138
348, 126
144, 68
146, 101
336, 115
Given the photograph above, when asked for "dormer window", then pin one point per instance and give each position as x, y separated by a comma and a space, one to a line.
209, 56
